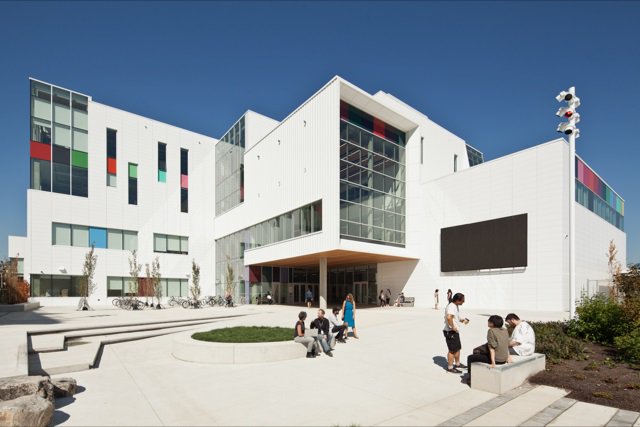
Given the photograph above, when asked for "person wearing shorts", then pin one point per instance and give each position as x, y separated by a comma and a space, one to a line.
452, 321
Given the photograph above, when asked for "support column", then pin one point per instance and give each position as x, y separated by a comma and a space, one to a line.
323, 283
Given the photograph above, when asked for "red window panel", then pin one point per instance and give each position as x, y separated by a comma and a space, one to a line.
111, 166
184, 181
40, 151
255, 274
379, 127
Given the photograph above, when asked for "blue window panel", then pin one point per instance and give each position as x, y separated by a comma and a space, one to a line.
98, 237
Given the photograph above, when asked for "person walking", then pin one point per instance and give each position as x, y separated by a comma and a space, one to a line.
449, 294
496, 350
388, 296
383, 298
436, 298
452, 321
349, 313
308, 297
299, 337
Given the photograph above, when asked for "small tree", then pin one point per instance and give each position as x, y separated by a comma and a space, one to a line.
614, 269
87, 285
155, 280
229, 278
14, 289
134, 272
195, 279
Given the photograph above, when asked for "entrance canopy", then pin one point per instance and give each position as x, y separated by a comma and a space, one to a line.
335, 258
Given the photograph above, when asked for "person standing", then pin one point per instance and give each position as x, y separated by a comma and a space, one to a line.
388, 296
449, 294
496, 351
323, 337
436, 298
523, 337
349, 313
299, 337
308, 297
383, 298
452, 321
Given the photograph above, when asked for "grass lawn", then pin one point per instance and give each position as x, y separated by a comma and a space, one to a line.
245, 334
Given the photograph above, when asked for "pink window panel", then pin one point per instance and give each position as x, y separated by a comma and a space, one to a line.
184, 181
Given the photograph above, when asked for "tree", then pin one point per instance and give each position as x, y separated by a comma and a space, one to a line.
229, 278
134, 272
14, 290
87, 285
155, 280
614, 269
195, 279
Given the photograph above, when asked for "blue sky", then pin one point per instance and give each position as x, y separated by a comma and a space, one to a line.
487, 71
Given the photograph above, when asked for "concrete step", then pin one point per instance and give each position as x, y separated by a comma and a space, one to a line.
550, 413
624, 418
520, 409
468, 416
585, 414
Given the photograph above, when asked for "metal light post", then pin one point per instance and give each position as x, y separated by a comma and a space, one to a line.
569, 128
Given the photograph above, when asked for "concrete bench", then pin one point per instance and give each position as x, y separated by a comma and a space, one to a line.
408, 302
506, 377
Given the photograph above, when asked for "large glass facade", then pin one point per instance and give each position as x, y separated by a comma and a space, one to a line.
47, 285
98, 237
230, 168
123, 286
59, 140
372, 178
594, 194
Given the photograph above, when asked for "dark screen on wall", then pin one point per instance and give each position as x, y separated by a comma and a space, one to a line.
497, 243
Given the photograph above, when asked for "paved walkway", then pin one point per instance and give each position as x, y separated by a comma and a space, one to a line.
393, 375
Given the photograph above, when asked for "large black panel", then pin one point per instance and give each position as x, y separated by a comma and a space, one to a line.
496, 243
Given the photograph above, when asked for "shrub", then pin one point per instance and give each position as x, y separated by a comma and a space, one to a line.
553, 341
628, 346
599, 319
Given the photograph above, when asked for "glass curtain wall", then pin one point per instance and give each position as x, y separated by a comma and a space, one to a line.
230, 168
372, 178
475, 156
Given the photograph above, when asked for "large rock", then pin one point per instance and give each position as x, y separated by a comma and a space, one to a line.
26, 411
12, 388
64, 387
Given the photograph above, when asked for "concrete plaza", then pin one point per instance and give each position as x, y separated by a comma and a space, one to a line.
392, 375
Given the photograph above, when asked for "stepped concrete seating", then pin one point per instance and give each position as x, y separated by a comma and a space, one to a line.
408, 302
506, 377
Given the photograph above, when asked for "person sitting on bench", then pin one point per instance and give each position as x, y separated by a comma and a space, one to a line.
496, 350
399, 300
523, 338
322, 325
338, 326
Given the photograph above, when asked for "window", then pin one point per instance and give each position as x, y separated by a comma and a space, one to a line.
115, 287
130, 241
114, 239
98, 237
184, 180
80, 235
162, 162
111, 157
79, 181
40, 175
421, 149
133, 184
170, 244
455, 163
61, 234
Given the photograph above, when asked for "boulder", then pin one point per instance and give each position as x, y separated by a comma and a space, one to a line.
26, 411
14, 387
64, 387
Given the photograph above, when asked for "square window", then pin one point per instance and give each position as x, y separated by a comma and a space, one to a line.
130, 240
114, 239
61, 234
160, 243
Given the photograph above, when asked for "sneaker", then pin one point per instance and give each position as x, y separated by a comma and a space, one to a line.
329, 353
310, 355
454, 370
462, 365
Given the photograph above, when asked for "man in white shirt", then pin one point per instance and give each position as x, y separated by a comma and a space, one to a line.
523, 338
338, 326
452, 321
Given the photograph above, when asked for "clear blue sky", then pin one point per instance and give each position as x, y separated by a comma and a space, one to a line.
486, 71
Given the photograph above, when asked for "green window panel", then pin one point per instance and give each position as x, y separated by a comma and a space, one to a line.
162, 176
133, 170
80, 159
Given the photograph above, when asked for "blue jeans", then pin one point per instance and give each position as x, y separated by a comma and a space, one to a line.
322, 339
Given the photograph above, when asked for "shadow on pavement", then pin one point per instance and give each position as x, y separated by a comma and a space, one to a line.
61, 402
59, 417
440, 361
27, 318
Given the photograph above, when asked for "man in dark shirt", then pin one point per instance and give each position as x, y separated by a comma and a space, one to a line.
322, 325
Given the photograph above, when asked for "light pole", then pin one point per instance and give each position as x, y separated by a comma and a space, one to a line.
569, 128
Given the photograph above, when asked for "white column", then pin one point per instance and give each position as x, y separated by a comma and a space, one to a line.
323, 283
572, 225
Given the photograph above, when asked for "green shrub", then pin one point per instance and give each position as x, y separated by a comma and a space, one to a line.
553, 341
628, 346
599, 319
245, 334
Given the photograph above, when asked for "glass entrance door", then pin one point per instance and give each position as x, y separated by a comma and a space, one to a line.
361, 292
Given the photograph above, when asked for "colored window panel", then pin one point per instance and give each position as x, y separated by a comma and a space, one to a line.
61, 178
80, 159
133, 191
255, 274
162, 156
133, 170
184, 161
162, 176
98, 237
184, 181
111, 166
111, 143
184, 200
61, 155
40, 151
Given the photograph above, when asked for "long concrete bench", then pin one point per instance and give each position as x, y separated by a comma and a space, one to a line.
506, 377
408, 302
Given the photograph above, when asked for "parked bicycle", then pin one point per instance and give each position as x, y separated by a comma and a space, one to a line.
173, 301
192, 302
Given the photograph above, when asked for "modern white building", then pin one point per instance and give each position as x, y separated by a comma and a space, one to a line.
351, 192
